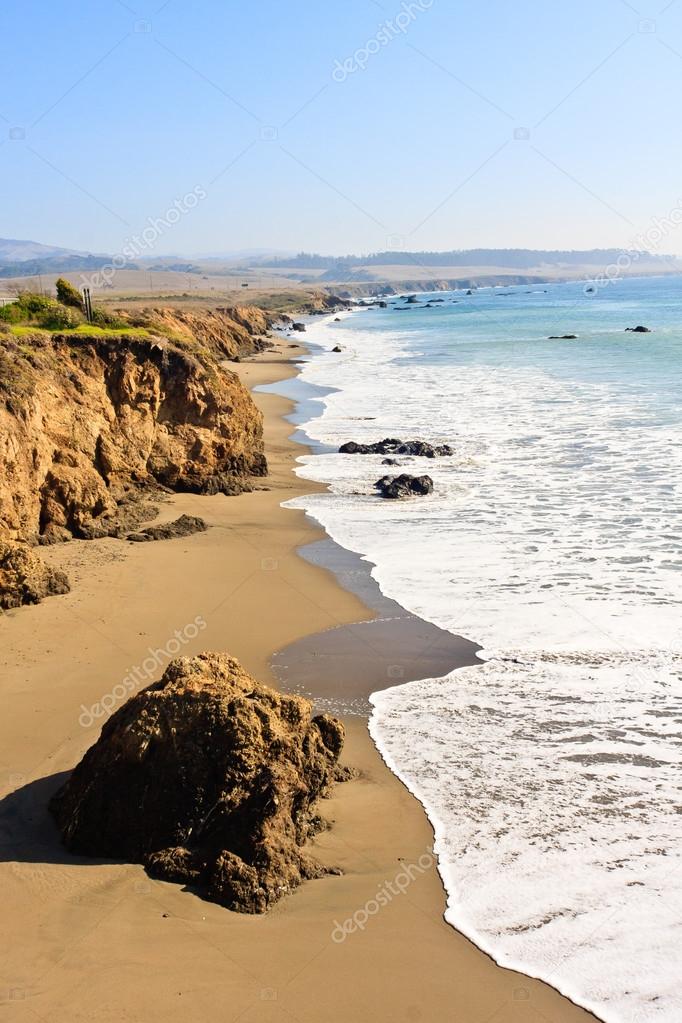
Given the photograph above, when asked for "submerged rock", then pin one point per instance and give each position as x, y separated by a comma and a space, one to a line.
25, 578
398, 487
638, 330
337, 349
186, 525
209, 779
393, 446
563, 337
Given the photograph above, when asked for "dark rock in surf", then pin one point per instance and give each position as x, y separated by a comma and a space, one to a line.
394, 446
397, 488
638, 330
563, 337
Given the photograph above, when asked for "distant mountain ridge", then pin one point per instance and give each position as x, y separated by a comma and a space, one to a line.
521, 259
23, 258
14, 250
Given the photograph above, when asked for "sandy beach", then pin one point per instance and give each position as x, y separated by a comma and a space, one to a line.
86, 940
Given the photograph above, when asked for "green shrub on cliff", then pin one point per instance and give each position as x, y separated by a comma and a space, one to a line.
103, 318
59, 317
28, 306
40, 311
12, 313
68, 295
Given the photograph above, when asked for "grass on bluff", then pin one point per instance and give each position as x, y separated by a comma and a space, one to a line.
87, 329
32, 313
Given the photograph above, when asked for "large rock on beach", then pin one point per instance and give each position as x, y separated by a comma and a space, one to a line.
25, 578
400, 487
393, 446
209, 779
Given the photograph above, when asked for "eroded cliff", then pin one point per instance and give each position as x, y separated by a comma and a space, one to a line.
90, 422
225, 333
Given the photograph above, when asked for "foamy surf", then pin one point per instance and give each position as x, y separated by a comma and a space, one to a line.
550, 773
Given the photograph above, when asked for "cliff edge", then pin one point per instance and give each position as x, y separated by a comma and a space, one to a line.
90, 421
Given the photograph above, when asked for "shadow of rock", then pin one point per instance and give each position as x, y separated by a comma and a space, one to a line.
28, 833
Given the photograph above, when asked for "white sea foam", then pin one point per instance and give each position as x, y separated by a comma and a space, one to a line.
551, 773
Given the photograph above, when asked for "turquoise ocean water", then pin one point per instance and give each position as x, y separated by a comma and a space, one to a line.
554, 539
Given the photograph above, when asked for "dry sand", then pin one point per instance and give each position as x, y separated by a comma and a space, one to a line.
94, 941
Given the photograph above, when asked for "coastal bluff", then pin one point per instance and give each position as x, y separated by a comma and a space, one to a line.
92, 422
209, 779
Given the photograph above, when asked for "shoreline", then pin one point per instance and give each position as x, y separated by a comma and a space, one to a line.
92, 940
294, 667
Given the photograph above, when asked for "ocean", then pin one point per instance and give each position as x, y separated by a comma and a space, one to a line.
553, 539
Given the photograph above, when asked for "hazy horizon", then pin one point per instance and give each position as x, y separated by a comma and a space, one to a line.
356, 128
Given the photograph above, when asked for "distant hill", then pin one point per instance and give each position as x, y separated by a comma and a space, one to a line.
518, 259
19, 258
13, 250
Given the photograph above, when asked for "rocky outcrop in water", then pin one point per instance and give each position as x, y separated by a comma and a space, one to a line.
638, 330
186, 525
91, 424
25, 578
392, 446
209, 779
400, 487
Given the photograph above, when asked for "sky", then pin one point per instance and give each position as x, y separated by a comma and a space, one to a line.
341, 126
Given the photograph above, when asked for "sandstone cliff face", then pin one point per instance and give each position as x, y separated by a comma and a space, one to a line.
228, 333
25, 578
86, 423
209, 779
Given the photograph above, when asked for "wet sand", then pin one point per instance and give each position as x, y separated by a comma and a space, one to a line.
86, 940
340, 669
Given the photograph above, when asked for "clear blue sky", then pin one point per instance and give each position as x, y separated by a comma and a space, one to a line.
112, 111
